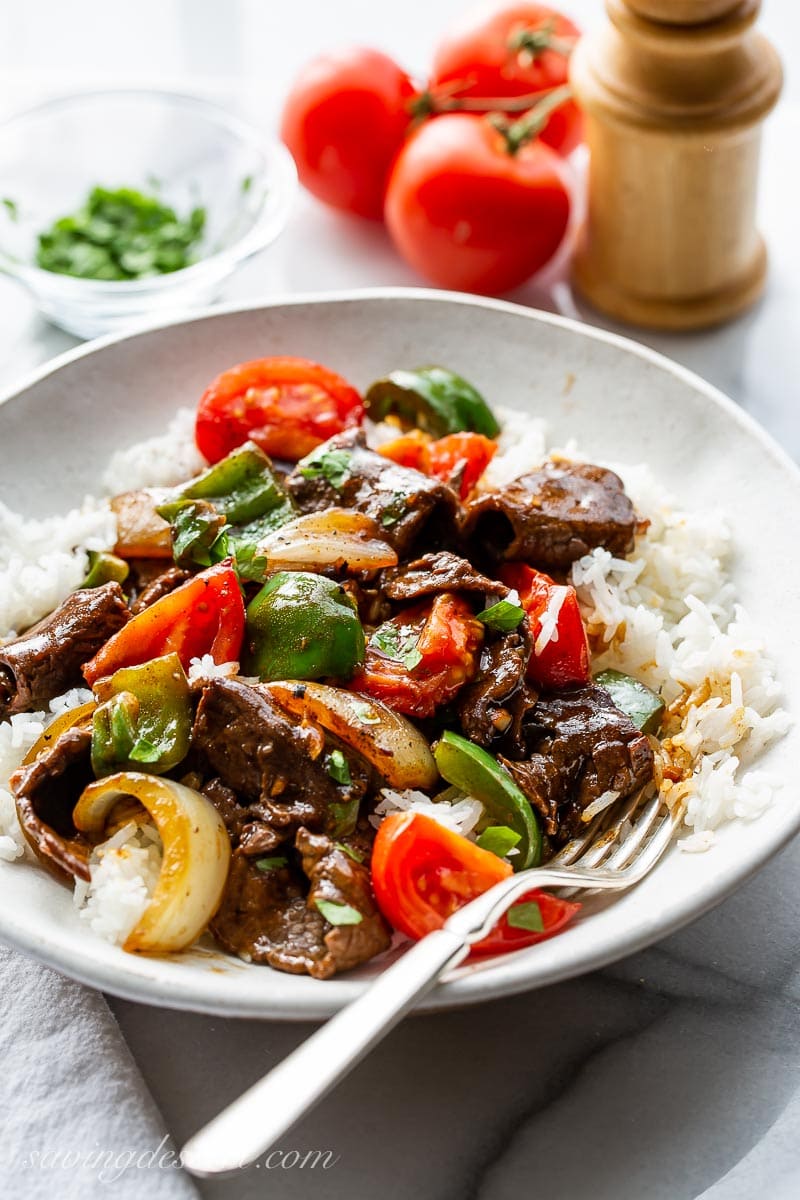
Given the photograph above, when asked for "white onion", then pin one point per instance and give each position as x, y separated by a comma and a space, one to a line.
395, 748
196, 854
141, 532
335, 538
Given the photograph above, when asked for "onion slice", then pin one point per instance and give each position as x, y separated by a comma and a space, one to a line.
391, 744
196, 854
141, 532
336, 538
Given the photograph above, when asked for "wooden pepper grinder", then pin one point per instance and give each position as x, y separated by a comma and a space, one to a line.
674, 93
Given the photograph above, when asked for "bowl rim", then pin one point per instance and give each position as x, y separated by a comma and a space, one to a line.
499, 976
279, 168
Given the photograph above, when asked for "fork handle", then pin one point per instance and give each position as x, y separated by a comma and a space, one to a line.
254, 1122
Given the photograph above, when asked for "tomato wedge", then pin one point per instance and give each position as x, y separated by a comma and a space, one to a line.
287, 406
459, 458
422, 873
564, 660
418, 660
205, 615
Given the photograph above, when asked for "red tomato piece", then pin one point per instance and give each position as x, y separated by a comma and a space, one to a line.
564, 660
344, 121
422, 873
469, 213
287, 406
460, 458
485, 55
417, 661
205, 615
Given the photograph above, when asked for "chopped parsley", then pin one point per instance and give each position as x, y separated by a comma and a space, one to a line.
332, 465
272, 864
339, 914
350, 852
394, 510
498, 839
121, 234
11, 207
338, 768
198, 538
398, 642
504, 616
526, 916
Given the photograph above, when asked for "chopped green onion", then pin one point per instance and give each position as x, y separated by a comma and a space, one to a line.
498, 839
526, 916
339, 914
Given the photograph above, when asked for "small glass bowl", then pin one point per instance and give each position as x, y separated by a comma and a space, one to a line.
183, 150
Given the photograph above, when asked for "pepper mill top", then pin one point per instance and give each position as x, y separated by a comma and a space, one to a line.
674, 92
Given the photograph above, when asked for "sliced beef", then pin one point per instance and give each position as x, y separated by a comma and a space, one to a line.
336, 877
270, 916
276, 768
402, 501
441, 572
46, 792
47, 660
159, 587
553, 516
493, 708
582, 746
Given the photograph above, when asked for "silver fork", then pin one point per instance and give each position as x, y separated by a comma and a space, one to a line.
630, 840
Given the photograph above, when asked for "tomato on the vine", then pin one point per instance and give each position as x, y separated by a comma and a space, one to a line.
518, 49
344, 121
472, 209
287, 406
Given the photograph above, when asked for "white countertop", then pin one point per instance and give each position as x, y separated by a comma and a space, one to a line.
672, 1075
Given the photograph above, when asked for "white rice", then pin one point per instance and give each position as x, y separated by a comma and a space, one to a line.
171, 457
124, 872
461, 816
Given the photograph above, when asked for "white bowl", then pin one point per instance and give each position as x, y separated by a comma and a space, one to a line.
182, 149
620, 400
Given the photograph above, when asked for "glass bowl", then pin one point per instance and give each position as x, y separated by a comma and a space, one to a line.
183, 150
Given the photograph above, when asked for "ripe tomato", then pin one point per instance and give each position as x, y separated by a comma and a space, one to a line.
458, 458
564, 660
468, 213
485, 53
422, 873
287, 406
418, 660
344, 121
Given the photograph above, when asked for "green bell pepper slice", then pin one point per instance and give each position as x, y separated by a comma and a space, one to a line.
144, 720
243, 487
635, 699
433, 399
477, 773
105, 567
302, 626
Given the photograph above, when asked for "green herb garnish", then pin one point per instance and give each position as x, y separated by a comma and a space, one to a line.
338, 768
118, 235
398, 643
272, 864
11, 207
504, 616
526, 916
498, 839
350, 852
339, 914
333, 465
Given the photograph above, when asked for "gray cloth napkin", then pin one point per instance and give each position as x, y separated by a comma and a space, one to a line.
75, 1113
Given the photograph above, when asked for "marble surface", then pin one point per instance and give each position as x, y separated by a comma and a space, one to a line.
672, 1075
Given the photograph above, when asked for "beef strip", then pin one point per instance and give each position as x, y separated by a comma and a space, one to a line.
553, 516
46, 792
47, 660
274, 767
493, 708
164, 583
336, 877
582, 746
440, 572
402, 501
270, 916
